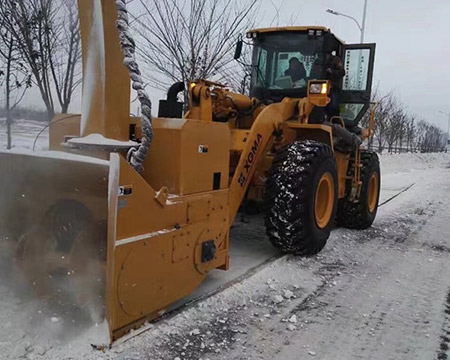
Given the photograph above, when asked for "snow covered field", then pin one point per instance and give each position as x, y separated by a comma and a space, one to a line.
24, 133
383, 293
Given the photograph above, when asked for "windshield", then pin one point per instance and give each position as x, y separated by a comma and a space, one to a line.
287, 60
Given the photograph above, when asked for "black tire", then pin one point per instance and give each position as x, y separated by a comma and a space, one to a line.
290, 196
361, 215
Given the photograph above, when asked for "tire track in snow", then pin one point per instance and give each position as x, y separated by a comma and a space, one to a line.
399, 193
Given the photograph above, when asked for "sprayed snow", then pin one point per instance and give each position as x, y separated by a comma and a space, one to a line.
31, 329
98, 139
94, 70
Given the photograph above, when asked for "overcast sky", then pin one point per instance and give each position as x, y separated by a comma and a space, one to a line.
413, 45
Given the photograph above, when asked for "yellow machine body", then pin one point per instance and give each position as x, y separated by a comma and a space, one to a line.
157, 234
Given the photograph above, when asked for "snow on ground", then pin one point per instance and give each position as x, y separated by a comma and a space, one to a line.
24, 133
382, 293
399, 163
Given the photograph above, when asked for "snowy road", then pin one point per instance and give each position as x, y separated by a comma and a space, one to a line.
378, 294
383, 293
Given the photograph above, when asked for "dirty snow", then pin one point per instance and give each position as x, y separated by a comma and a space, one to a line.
382, 293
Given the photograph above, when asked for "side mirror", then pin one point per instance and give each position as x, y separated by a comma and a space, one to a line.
238, 52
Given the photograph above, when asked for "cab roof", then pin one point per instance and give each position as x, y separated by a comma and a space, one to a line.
291, 29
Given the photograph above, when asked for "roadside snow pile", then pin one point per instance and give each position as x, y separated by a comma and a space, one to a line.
23, 134
396, 163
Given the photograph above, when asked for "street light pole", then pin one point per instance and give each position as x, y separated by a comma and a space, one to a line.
362, 28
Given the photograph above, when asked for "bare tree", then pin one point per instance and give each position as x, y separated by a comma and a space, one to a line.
65, 60
276, 8
193, 39
28, 24
430, 138
398, 130
410, 133
382, 114
47, 34
14, 78
394, 126
237, 75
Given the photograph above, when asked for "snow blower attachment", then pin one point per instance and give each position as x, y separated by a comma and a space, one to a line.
123, 230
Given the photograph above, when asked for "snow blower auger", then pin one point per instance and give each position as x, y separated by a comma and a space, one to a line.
125, 217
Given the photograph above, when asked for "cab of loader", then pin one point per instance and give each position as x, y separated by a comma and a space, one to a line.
275, 48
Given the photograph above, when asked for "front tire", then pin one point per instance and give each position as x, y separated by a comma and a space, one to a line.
301, 197
362, 214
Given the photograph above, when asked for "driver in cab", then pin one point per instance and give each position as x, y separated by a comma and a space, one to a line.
296, 70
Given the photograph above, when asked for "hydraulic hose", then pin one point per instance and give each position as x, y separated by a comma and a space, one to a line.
136, 157
174, 90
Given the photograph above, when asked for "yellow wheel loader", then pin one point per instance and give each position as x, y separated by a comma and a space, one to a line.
124, 229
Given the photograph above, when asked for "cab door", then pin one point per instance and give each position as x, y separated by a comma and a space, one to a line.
358, 61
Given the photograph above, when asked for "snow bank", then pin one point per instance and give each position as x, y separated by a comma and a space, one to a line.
396, 163
24, 133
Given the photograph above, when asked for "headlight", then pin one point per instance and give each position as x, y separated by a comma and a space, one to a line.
315, 88
318, 88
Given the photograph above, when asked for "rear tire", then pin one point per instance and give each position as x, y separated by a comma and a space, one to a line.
301, 197
361, 215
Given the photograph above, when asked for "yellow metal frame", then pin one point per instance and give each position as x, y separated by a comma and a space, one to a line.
154, 246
